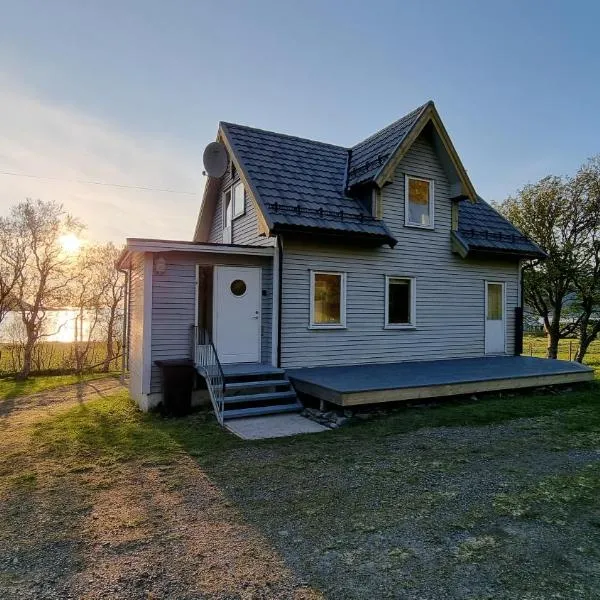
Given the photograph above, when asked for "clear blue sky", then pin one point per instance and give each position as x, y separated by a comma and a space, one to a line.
131, 91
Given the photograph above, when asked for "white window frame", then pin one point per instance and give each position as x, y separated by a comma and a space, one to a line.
243, 211
224, 206
231, 191
342, 324
413, 303
377, 204
408, 223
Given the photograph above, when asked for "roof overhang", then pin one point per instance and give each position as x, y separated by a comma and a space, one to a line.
462, 247
461, 187
134, 245
371, 239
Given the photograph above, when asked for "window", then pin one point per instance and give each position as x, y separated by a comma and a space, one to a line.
238, 200
227, 210
419, 202
328, 300
377, 204
495, 301
400, 305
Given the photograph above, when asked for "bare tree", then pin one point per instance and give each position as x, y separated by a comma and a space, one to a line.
47, 269
113, 292
97, 293
12, 259
85, 295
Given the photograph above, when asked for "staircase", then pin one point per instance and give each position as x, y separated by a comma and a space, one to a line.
241, 389
253, 390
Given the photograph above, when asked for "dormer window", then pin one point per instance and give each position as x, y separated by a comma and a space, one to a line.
377, 204
419, 199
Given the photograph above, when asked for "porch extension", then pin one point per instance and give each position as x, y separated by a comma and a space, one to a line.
352, 385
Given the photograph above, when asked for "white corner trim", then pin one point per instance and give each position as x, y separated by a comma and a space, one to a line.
431, 183
147, 324
413, 303
311, 322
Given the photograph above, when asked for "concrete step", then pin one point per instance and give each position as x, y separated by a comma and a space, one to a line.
266, 397
261, 410
242, 385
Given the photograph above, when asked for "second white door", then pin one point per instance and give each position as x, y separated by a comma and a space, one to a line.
495, 325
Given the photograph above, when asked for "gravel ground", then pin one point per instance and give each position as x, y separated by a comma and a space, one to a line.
432, 514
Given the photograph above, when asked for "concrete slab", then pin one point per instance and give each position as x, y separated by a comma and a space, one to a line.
273, 426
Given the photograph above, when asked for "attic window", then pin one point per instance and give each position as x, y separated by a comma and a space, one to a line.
418, 202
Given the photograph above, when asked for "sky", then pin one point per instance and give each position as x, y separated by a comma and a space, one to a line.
129, 92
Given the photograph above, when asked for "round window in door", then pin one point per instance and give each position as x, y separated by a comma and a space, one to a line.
238, 287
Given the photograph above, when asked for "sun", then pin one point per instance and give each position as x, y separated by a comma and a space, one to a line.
70, 243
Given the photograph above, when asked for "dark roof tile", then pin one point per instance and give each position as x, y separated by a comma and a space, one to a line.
480, 227
368, 156
302, 183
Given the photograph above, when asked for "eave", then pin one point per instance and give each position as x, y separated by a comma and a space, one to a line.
367, 238
134, 245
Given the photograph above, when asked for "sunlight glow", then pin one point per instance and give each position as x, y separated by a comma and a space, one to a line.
70, 243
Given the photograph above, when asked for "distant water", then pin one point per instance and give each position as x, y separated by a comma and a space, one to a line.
60, 325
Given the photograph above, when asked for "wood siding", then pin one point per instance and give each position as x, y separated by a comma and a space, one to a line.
173, 306
450, 291
244, 228
136, 324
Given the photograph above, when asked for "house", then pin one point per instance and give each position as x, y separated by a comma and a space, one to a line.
359, 274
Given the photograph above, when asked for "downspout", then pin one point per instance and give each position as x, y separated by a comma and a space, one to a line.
519, 312
280, 297
125, 333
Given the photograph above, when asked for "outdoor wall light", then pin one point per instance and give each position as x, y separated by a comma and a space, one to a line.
160, 265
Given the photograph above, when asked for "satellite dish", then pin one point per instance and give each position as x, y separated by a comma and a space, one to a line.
215, 159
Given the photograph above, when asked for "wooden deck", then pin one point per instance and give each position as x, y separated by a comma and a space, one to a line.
367, 384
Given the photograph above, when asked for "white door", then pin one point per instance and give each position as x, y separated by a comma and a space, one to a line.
236, 327
495, 318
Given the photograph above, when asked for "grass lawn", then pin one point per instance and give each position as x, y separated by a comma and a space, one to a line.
490, 499
11, 388
535, 345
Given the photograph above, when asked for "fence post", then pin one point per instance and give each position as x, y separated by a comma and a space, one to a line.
530, 349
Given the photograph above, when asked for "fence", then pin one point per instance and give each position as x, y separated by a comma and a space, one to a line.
58, 357
537, 346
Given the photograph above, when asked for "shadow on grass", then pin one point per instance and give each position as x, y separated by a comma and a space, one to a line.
154, 502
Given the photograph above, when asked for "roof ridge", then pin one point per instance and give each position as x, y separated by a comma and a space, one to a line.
285, 135
419, 109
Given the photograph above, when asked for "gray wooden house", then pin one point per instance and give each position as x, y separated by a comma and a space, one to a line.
355, 275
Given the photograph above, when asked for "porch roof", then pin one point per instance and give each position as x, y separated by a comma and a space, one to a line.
153, 245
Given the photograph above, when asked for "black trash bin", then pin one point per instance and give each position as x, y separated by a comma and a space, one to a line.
177, 385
